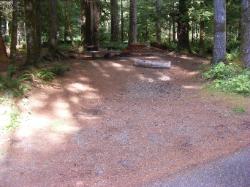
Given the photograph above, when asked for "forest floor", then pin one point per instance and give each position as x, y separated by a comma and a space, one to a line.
108, 123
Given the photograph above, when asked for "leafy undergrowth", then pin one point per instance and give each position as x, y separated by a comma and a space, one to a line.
229, 78
17, 84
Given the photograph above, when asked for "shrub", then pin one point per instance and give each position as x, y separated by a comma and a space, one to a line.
229, 78
238, 84
222, 71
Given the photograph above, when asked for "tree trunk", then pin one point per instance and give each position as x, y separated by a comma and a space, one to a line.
133, 22
68, 32
169, 31
202, 37
14, 31
245, 33
38, 25
122, 22
174, 31
183, 26
3, 53
219, 51
1, 20
83, 21
158, 20
32, 31
114, 21
92, 14
174, 20
53, 26
193, 31
146, 32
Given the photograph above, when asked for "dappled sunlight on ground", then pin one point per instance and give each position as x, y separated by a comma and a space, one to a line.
109, 123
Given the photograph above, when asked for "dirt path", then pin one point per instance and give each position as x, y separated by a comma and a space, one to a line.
108, 123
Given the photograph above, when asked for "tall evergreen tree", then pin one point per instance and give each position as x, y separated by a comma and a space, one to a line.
14, 31
53, 26
114, 20
219, 50
33, 33
183, 26
92, 15
245, 33
133, 22
158, 4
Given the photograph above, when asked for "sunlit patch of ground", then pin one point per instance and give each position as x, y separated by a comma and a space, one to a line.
109, 123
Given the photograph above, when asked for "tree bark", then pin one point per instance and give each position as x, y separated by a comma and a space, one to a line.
183, 26
219, 50
92, 14
3, 53
122, 22
53, 26
83, 21
32, 31
169, 31
114, 21
174, 31
193, 31
14, 31
202, 37
158, 20
174, 20
133, 22
245, 33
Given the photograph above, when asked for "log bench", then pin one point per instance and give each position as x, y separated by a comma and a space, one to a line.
162, 64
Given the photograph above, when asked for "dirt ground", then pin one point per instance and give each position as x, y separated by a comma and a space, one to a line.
108, 123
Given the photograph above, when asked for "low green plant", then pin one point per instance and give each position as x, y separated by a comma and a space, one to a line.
13, 85
233, 55
45, 75
229, 78
222, 71
18, 84
239, 110
11, 70
239, 84
59, 69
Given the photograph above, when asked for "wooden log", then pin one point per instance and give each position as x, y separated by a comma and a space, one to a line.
152, 64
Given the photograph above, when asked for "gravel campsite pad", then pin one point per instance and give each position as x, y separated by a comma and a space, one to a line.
109, 123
